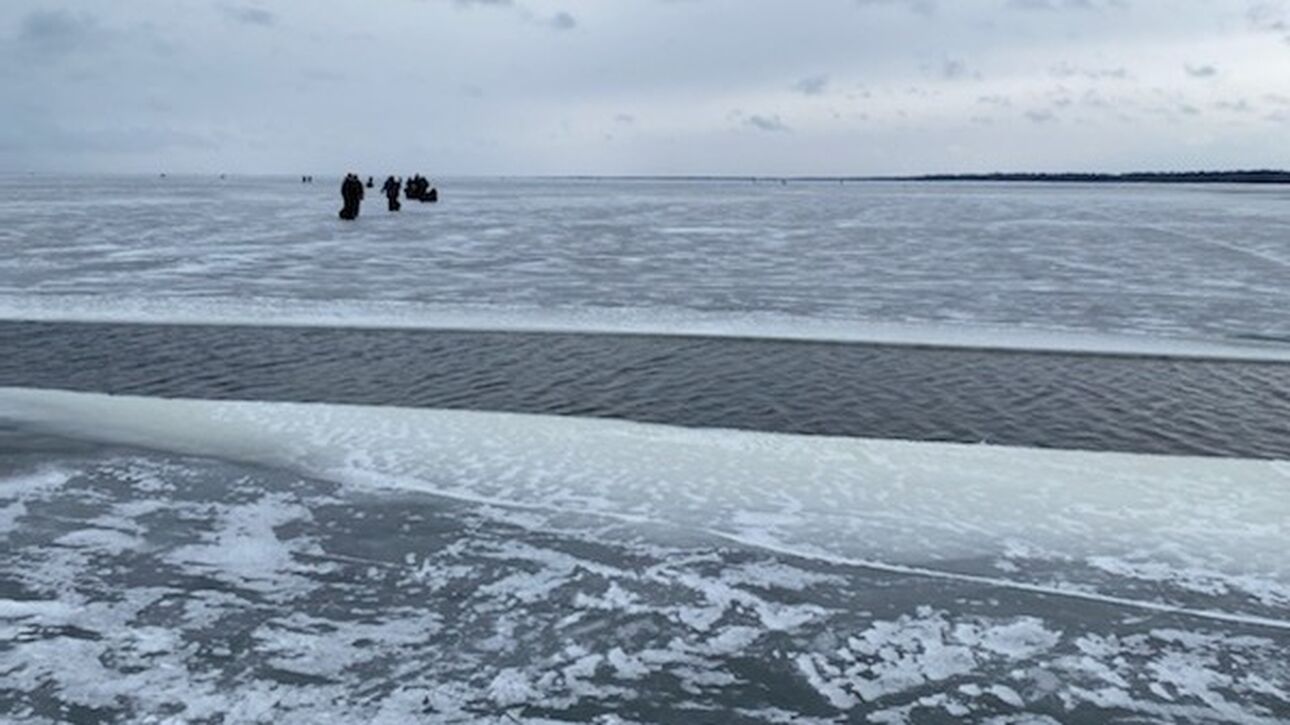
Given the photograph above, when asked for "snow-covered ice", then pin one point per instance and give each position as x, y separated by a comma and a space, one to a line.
1052, 266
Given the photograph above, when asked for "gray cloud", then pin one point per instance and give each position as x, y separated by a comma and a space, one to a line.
921, 7
812, 85
563, 21
1200, 71
1066, 4
57, 32
1095, 100
1238, 106
1066, 70
248, 14
1270, 17
85, 87
41, 135
771, 123
952, 69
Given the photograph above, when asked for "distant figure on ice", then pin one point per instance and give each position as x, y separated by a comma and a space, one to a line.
391, 189
351, 190
370, 184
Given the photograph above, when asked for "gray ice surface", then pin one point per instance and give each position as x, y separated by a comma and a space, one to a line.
1200, 262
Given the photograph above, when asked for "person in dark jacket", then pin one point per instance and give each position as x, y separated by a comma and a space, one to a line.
391, 189
351, 191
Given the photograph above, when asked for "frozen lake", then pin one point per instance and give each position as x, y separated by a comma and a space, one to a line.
1194, 262
282, 510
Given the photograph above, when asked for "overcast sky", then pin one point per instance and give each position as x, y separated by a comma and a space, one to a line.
643, 86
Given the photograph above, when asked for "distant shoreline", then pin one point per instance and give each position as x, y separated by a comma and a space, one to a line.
1259, 176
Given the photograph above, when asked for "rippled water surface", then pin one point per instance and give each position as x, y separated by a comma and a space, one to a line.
1091, 402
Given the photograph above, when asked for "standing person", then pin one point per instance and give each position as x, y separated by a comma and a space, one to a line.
351, 191
391, 189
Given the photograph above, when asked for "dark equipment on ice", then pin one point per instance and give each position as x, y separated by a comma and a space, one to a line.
418, 187
370, 183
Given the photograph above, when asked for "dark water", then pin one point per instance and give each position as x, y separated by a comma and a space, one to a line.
1150, 405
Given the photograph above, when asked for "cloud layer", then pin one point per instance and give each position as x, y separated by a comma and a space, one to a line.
643, 86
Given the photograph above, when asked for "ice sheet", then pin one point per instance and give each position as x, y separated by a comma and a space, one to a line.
150, 586
1219, 524
1190, 263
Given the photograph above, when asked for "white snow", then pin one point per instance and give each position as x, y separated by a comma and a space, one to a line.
390, 314
888, 500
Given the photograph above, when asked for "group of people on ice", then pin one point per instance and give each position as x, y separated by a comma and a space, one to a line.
417, 188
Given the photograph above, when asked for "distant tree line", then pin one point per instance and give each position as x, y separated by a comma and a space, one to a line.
1259, 176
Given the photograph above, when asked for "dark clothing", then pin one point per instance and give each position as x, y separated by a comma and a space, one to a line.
351, 191
418, 187
391, 189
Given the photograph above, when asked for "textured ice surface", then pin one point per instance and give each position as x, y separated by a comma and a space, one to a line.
1206, 263
1180, 529
139, 587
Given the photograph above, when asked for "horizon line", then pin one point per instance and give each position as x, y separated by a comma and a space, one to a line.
1282, 175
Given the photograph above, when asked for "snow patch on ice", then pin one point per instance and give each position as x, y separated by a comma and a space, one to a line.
899, 655
16, 490
246, 550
